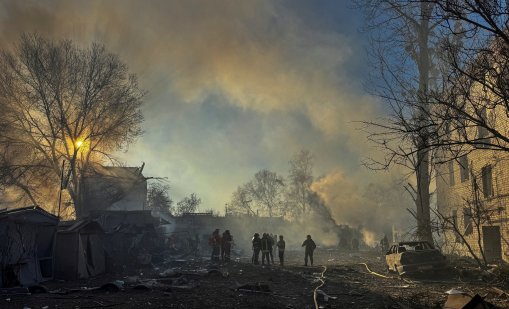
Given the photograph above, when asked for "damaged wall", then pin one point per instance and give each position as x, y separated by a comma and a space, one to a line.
26, 246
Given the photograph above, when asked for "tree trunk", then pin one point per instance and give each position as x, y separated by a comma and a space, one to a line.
422, 168
422, 201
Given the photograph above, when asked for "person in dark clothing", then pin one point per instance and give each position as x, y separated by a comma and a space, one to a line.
265, 248
272, 242
384, 243
355, 244
215, 243
310, 247
281, 249
226, 246
257, 246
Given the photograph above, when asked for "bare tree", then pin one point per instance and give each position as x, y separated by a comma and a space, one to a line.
473, 105
188, 204
300, 180
241, 202
158, 197
263, 194
267, 191
60, 102
403, 49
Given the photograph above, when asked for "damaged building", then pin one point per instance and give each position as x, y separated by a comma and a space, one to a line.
80, 250
108, 188
27, 239
473, 191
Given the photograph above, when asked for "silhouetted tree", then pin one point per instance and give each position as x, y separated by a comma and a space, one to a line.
158, 197
300, 180
404, 40
60, 103
267, 191
241, 202
188, 204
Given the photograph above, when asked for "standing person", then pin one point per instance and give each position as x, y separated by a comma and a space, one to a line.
310, 247
281, 249
265, 248
272, 242
355, 244
384, 243
257, 246
226, 246
215, 243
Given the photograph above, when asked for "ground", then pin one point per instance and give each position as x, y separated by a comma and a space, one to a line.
348, 283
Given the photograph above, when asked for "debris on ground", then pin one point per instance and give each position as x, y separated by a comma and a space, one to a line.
256, 288
197, 283
463, 301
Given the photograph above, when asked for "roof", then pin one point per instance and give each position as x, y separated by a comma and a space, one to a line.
81, 225
115, 172
32, 214
413, 242
112, 220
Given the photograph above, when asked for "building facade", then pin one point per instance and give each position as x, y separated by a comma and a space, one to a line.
473, 200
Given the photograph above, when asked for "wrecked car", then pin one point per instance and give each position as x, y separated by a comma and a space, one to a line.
414, 256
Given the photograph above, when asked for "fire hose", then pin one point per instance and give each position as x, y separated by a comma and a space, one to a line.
375, 273
383, 276
322, 280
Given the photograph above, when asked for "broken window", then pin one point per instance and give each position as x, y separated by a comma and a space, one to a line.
487, 186
482, 132
451, 173
467, 221
463, 162
455, 224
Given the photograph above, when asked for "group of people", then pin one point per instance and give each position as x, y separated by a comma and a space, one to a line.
221, 246
265, 245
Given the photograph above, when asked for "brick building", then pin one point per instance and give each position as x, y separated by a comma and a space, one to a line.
473, 193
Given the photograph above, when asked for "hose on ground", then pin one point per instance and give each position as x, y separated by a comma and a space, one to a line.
374, 273
383, 276
321, 279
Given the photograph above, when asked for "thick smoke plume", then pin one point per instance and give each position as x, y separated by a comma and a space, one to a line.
373, 207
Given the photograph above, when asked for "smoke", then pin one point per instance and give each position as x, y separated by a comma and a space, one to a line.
255, 54
233, 84
369, 237
371, 207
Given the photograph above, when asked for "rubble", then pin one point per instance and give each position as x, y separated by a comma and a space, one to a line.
463, 301
255, 288
341, 280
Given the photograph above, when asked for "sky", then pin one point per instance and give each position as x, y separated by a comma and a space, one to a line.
235, 87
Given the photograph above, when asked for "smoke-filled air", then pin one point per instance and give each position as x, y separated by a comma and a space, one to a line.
254, 154
234, 88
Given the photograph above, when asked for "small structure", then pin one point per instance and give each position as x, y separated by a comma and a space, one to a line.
27, 238
131, 239
79, 251
113, 188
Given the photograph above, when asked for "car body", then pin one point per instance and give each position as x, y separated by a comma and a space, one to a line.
414, 256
